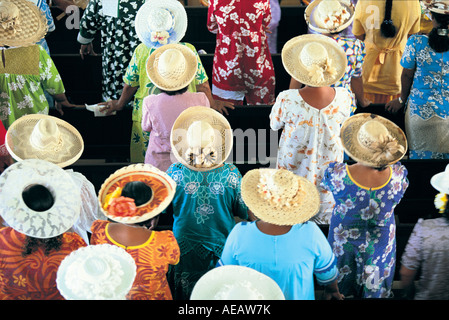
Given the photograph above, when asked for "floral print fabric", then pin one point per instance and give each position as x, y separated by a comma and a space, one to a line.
428, 102
310, 138
152, 260
362, 230
32, 277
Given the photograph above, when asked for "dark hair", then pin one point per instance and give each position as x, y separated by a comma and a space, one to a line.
174, 93
137, 190
37, 197
438, 36
33, 244
387, 28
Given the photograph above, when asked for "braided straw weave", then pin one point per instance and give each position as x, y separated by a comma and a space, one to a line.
32, 26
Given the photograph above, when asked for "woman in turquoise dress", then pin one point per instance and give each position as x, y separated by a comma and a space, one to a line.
425, 90
206, 200
362, 227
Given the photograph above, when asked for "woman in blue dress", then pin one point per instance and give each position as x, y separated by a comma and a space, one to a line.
425, 88
207, 194
362, 227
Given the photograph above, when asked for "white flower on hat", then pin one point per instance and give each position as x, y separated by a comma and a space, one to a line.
160, 37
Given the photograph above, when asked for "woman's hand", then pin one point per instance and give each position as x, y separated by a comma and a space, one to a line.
394, 106
110, 106
87, 49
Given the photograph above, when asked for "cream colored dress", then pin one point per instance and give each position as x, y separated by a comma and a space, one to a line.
311, 138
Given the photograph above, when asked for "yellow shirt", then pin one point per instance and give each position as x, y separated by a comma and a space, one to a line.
381, 67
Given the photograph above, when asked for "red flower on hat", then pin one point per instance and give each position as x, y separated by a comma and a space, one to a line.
122, 207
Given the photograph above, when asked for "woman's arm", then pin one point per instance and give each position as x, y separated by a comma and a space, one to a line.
117, 105
407, 281
406, 85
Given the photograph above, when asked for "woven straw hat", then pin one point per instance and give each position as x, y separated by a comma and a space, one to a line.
329, 16
231, 282
160, 22
162, 186
279, 196
96, 272
172, 67
440, 181
438, 6
44, 224
38, 136
201, 138
373, 140
314, 60
22, 24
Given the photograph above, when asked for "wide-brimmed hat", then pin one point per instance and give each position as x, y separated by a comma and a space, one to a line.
172, 67
329, 16
438, 6
440, 181
21, 23
96, 272
373, 140
232, 282
38, 136
160, 22
123, 209
279, 196
59, 218
201, 138
314, 60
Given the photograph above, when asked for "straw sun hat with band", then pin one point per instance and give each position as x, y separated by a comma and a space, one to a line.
201, 138
329, 16
314, 60
231, 282
22, 24
172, 67
118, 207
37, 136
279, 196
373, 140
161, 22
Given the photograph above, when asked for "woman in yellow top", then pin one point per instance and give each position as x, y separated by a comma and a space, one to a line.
384, 26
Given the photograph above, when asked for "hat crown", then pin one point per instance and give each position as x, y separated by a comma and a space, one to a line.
160, 19
328, 7
243, 290
171, 64
46, 135
279, 186
9, 15
200, 134
313, 53
370, 132
95, 269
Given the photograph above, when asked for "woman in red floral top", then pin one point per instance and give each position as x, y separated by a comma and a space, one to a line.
242, 65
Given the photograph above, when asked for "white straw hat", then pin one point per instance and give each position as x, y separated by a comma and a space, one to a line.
279, 196
172, 67
160, 22
231, 282
329, 16
96, 272
21, 23
440, 181
314, 60
38, 136
163, 189
201, 138
373, 140
45, 224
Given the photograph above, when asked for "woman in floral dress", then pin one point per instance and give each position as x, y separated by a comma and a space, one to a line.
242, 67
362, 228
425, 80
204, 206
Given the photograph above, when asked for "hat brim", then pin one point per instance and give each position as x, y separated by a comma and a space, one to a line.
46, 224
141, 21
436, 6
437, 181
162, 185
220, 125
351, 145
33, 26
126, 261
18, 144
169, 84
290, 59
211, 282
307, 206
310, 13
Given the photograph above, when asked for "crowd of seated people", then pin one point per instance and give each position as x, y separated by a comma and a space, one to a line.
368, 86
